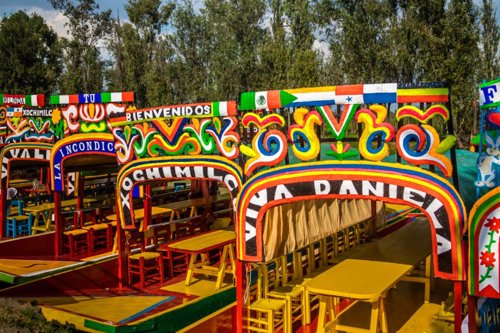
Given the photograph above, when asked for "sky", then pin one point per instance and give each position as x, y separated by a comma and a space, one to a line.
56, 20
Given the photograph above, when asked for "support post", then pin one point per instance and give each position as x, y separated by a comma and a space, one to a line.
240, 290
457, 305
471, 312
58, 224
3, 210
148, 203
120, 248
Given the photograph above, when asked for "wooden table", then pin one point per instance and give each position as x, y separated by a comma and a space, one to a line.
362, 280
17, 183
46, 210
194, 204
139, 214
410, 245
201, 244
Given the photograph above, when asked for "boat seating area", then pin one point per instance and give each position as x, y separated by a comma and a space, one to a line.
280, 298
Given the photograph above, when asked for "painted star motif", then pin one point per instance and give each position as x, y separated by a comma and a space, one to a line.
349, 98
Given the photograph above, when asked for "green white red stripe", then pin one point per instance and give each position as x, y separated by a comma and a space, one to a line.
222, 109
22, 100
104, 97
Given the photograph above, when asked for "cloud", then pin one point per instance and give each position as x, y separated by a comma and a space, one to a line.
322, 48
53, 18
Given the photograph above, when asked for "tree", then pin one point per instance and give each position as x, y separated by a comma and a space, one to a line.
237, 32
360, 42
274, 53
29, 50
83, 66
490, 37
191, 79
303, 71
137, 44
462, 63
419, 41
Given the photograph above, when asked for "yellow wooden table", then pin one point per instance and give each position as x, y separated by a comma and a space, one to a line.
361, 280
17, 183
194, 204
201, 244
46, 210
410, 245
139, 214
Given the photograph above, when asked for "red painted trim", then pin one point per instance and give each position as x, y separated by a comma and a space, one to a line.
40, 245
240, 275
95, 277
3, 211
471, 312
457, 305
147, 209
423, 99
58, 224
120, 247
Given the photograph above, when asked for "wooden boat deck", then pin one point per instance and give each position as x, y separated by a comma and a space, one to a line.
170, 306
20, 270
87, 301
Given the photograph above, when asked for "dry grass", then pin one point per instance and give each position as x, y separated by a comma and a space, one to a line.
26, 318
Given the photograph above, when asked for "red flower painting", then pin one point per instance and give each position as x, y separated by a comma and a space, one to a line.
488, 259
493, 224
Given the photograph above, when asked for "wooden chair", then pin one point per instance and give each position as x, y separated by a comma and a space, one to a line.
265, 315
176, 262
285, 287
100, 236
17, 225
145, 264
77, 242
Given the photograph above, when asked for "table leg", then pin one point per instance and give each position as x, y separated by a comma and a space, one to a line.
374, 316
47, 219
191, 268
222, 268
232, 259
321, 314
307, 305
383, 316
428, 266
36, 224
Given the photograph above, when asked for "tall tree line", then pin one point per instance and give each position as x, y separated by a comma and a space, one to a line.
183, 51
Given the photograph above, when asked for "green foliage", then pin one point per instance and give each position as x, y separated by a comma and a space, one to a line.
183, 51
462, 63
235, 31
29, 51
138, 48
490, 37
83, 66
26, 318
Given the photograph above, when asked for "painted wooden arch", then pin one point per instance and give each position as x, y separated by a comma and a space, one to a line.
77, 145
484, 246
22, 151
356, 180
173, 167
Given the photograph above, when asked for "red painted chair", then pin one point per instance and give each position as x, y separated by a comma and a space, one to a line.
77, 242
142, 263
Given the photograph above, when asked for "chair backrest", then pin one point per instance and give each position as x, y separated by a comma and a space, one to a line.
161, 234
134, 239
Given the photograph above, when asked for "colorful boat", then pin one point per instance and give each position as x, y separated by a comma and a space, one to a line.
306, 173
483, 278
65, 141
